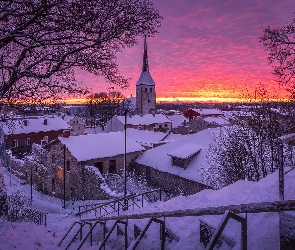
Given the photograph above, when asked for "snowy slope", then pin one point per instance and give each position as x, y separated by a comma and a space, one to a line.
263, 231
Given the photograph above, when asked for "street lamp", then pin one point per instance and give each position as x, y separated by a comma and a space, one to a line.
125, 162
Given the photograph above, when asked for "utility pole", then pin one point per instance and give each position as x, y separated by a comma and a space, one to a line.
64, 176
31, 179
280, 166
125, 161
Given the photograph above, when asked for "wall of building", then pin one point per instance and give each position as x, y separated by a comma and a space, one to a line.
34, 138
114, 125
119, 162
40, 171
145, 99
170, 182
84, 184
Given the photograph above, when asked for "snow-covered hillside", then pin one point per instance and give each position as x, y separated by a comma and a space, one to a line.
263, 228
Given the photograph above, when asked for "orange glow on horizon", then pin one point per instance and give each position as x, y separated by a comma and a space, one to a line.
184, 99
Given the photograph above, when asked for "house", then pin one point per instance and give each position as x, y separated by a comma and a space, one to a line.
178, 165
204, 113
19, 135
150, 139
80, 155
154, 122
78, 126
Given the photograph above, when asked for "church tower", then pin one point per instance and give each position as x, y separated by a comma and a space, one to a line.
145, 88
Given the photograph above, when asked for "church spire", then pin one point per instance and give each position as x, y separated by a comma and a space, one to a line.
145, 65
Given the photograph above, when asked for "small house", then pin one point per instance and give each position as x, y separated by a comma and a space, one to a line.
153, 122
104, 153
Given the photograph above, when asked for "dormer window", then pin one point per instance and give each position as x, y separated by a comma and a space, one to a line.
182, 156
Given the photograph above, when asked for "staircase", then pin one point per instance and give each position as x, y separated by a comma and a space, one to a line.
234, 225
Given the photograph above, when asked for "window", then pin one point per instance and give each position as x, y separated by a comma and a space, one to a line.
45, 138
166, 125
145, 90
112, 166
151, 90
149, 101
178, 162
53, 159
15, 143
79, 128
68, 166
28, 141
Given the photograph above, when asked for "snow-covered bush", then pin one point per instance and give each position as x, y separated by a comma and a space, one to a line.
3, 194
18, 201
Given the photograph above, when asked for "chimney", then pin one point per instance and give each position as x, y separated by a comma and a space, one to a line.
45, 121
66, 133
26, 122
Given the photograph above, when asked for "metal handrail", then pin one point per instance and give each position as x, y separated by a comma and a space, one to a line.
79, 231
275, 206
229, 215
162, 233
90, 233
110, 232
77, 222
113, 202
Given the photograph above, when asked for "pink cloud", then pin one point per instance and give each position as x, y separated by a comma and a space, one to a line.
205, 46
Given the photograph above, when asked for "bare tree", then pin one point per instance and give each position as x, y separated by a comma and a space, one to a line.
280, 44
42, 41
103, 106
247, 150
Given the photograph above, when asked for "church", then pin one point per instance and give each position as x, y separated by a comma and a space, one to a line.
144, 116
145, 89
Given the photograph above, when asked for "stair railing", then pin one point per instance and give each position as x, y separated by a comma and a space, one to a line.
125, 223
79, 231
118, 203
142, 234
77, 222
90, 233
229, 215
275, 206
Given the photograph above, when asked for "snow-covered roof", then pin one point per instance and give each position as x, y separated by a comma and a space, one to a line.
145, 137
159, 158
95, 146
185, 151
35, 125
144, 119
177, 120
288, 137
145, 78
219, 120
173, 137
209, 111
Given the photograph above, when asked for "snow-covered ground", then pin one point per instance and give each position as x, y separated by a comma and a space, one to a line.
263, 228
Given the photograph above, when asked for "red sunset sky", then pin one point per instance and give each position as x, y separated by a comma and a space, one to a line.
205, 50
